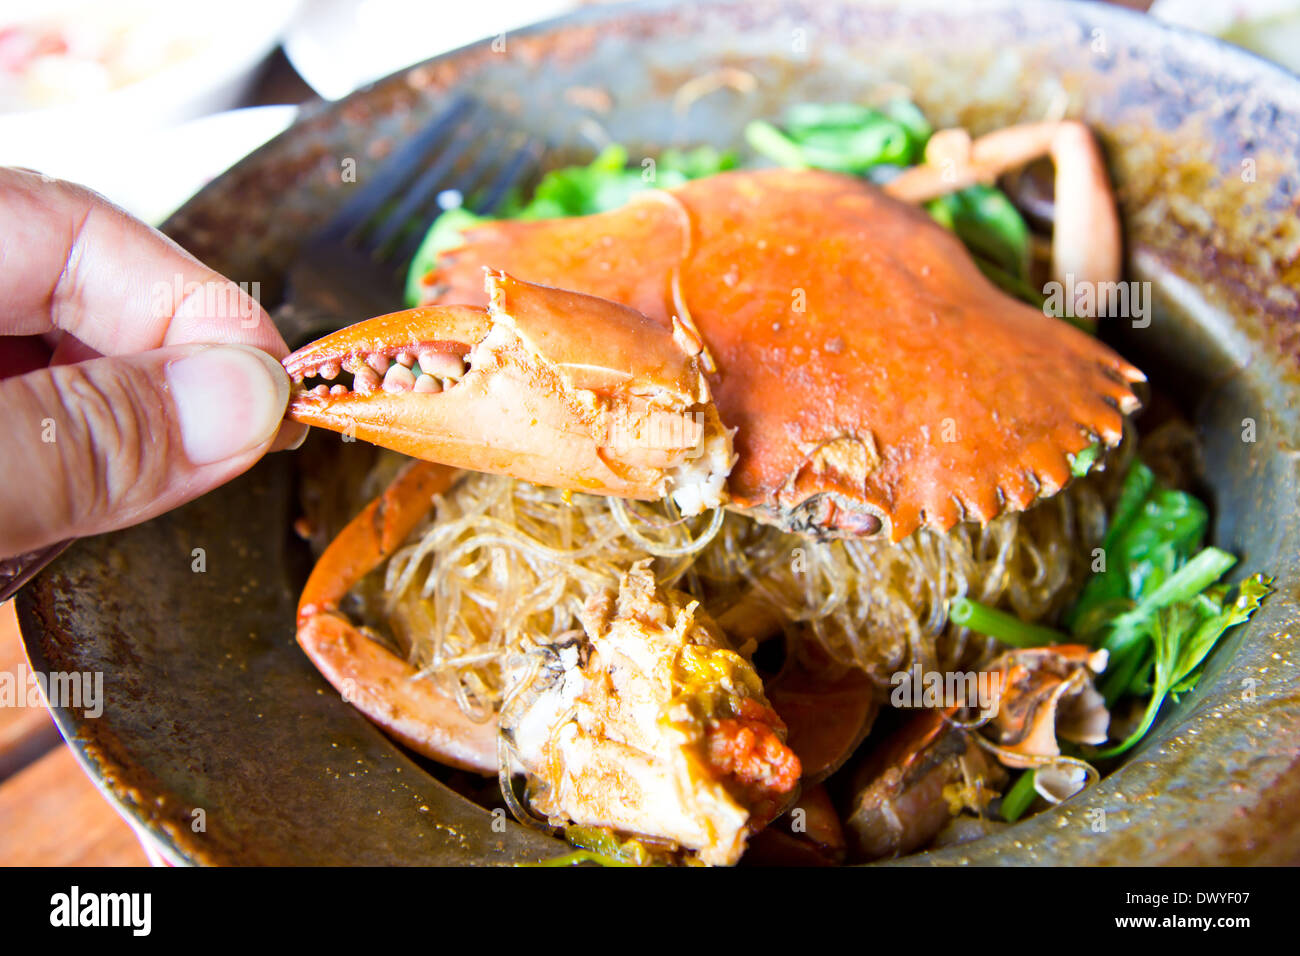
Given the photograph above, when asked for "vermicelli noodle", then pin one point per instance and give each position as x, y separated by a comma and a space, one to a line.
502, 562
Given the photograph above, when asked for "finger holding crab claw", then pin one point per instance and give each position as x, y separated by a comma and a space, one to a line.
544, 385
1086, 243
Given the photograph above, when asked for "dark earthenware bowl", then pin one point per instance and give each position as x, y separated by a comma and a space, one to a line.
211, 706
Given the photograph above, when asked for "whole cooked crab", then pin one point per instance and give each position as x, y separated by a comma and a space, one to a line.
803, 347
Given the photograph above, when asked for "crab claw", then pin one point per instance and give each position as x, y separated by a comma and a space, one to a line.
549, 386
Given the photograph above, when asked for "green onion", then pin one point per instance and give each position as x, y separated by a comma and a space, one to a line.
1184, 585
767, 140
1019, 797
1123, 670
1000, 625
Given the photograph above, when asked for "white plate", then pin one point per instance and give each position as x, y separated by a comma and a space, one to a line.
151, 174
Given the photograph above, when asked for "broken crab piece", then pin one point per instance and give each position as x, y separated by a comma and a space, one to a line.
548, 386
1046, 694
809, 834
878, 381
915, 783
661, 731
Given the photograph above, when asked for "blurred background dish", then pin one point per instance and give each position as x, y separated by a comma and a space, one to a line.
139, 60
151, 175
85, 85
134, 98
340, 45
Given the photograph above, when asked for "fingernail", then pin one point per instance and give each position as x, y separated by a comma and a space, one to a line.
229, 399
290, 437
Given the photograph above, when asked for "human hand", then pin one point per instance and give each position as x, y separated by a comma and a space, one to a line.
132, 377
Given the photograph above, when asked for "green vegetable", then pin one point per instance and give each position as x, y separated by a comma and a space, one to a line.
576, 857
446, 233
1183, 634
989, 224
1181, 586
603, 184
1000, 625
850, 138
1018, 288
1018, 797
607, 182
600, 845
843, 137
1082, 463
1155, 606
1152, 532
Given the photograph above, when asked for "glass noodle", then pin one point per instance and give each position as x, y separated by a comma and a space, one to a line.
503, 562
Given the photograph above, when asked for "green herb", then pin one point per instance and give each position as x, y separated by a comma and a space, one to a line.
1000, 625
1152, 532
1082, 463
607, 182
577, 857
1019, 797
1155, 606
989, 224
1013, 286
603, 184
850, 138
600, 845
1182, 635
843, 137
1181, 586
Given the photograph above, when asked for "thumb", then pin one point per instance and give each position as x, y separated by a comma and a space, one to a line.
111, 442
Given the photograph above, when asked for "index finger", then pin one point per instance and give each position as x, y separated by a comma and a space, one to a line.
71, 260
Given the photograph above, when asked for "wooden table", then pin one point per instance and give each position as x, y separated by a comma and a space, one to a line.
42, 788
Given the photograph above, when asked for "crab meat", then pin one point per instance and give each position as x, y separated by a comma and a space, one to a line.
544, 385
877, 380
664, 730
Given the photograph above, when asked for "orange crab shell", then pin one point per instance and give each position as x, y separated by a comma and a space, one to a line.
576, 391
874, 374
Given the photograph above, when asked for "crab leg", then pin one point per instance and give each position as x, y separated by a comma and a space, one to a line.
1086, 235
548, 386
376, 681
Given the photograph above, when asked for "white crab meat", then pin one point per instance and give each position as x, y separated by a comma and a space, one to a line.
619, 734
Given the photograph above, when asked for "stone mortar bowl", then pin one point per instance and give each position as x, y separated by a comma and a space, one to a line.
210, 706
